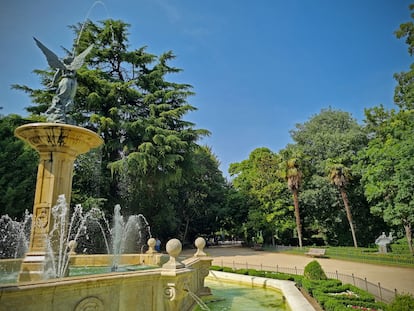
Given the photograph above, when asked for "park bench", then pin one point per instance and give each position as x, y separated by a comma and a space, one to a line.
316, 252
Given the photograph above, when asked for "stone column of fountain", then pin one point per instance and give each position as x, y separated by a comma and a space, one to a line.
58, 145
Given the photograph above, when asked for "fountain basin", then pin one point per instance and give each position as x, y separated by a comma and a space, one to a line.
156, 289
125, 259
230, 296
90, 270
294, 299
10, 267
47, 137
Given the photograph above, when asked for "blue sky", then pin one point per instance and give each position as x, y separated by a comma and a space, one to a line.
257, 67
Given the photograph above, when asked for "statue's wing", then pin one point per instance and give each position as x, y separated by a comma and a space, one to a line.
79, 59
51, 57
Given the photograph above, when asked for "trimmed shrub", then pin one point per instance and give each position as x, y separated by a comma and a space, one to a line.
242, 271
358, 294
402, 302
314, 271
257, 273
283, 276
260, 273
330, 303
216, 268
321, 285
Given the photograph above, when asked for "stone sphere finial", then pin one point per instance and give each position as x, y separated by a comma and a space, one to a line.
200, 243
151, 246
72, 244
173, 248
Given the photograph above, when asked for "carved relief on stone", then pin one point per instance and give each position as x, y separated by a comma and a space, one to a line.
90, 304
174, 291
41, 219
170, 291
204, 271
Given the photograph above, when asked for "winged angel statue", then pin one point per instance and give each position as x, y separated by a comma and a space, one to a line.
66, 69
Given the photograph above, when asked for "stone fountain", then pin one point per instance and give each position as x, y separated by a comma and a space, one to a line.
58, 146
166, 287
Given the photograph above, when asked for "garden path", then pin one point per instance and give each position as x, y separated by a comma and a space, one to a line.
390, 277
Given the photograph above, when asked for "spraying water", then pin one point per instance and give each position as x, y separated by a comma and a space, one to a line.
122, 237
86, 19
117, 236
129, 236
14, 236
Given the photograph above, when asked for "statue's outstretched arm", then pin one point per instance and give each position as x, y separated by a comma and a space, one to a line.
56, 77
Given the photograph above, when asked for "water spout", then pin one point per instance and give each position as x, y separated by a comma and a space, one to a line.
197, 299
128, 237
87, 17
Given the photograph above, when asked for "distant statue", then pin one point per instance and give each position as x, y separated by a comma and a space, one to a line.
383, 242
66, 69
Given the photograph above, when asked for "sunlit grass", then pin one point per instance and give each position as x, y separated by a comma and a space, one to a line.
399, 256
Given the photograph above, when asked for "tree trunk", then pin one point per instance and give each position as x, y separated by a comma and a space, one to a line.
187, 224
407, 227
297, 216
348, 215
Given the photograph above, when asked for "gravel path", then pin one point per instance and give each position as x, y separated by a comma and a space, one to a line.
389, 277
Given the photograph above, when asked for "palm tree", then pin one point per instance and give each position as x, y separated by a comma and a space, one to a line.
339, 175
291, 172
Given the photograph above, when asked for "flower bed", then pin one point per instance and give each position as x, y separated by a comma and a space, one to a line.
362, 308
338, 297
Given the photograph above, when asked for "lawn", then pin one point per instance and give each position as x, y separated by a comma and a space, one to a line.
400, 255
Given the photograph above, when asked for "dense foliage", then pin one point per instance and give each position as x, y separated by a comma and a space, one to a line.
17, 170
354, 180
266, 195
403, 302
327, 197
387, 164
150, 162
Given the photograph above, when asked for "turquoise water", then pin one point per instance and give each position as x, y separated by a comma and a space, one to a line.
11, 277
8, 277
235, 297
75, 271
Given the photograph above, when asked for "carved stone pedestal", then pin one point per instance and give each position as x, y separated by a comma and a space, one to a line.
58, 146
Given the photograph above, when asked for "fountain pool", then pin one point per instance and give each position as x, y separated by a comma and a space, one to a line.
243, 292
10, 277
231, 296
163, 287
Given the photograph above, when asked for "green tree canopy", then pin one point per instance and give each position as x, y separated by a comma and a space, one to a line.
17, 170
270, 207
125, 96
387, 163
388, 168
330, 135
